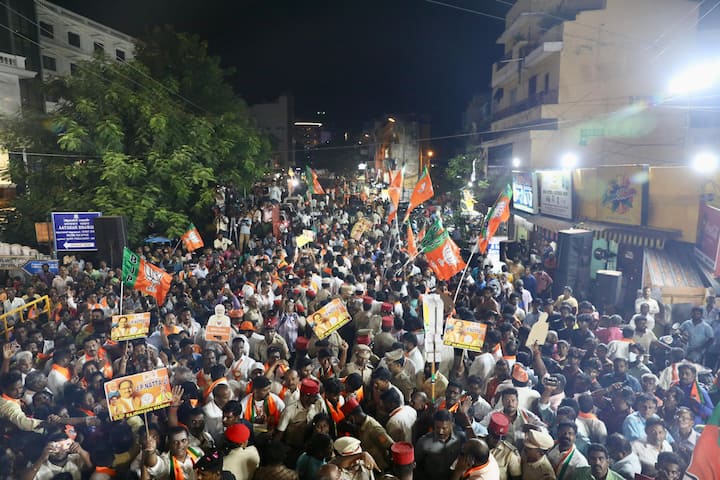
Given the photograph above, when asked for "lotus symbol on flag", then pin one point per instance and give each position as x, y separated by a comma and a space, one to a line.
421, 188
449, 255
153, 276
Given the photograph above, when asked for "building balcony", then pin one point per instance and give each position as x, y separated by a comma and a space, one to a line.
541, 52
539, 98
504, 71
15, 65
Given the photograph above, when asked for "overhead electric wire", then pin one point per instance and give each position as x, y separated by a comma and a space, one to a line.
129, 64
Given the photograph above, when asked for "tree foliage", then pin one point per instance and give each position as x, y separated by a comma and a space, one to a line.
124, 143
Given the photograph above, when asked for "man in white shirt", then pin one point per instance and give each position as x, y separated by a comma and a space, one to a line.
402, 417
60, 455
181, 454
213, 411
412, 352
12, 303
201, 271
654, 308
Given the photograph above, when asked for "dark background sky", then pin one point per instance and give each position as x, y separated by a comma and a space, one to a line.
354, 59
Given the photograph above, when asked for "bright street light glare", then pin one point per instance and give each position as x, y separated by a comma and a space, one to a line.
391, 120
362, 166
516, 162
569, 161
695, 79
705, 162
295, 182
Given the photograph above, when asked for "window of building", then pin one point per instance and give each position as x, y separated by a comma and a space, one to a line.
73, 69
74, 39
47, 30
532, 86
547, 83
49, 63
120, 55
98, 47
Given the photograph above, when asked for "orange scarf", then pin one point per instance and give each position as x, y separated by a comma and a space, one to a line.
212, 386
587, 415
249, 388
270, 410
10, 399
110, 472
335, 413
65, 372
177, 471
469, 472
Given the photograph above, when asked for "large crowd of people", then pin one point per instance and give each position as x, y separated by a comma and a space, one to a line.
608, 395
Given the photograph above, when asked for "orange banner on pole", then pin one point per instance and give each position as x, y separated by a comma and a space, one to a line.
136, 394
191, 239
464, 334
394, 190
329, 318
130, 326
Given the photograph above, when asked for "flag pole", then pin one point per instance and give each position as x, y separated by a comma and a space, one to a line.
462, 277
176, 246
122, 293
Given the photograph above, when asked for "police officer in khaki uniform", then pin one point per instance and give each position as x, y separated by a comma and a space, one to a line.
507, 456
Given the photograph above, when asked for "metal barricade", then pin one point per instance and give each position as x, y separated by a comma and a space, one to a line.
28, 311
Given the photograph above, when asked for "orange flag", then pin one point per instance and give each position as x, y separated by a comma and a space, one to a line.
441, 252
191, 239
394, 194
145, 277
421, 234
314, 186
412, 247
500, 213
423, 191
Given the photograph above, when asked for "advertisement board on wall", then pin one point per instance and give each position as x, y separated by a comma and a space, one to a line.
621, 194
707, 248
556, 194
525, 191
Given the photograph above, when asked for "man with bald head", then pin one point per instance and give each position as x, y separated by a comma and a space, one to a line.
475, 462
329, 471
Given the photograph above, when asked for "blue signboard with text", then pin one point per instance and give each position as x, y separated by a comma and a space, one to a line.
34, 267
74, 231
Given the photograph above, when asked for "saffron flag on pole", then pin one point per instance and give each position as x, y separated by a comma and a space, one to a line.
191, 239
145, 277
423, 191
499, 213
441, 252
394, 190
314, 186
411, 247
705, 461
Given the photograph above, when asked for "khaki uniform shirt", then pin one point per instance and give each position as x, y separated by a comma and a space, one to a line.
508, 459
540, 470
375, 440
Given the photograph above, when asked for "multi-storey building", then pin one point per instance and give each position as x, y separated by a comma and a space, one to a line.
587, 78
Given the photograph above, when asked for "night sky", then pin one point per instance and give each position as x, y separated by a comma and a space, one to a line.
355, 60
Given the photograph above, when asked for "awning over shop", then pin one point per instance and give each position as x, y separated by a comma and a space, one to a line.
638, 236
548, 228
673, 267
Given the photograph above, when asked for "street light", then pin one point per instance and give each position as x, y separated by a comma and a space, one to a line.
430, 153
516, 162
569, 161
705, 162
695, 79
391, 120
